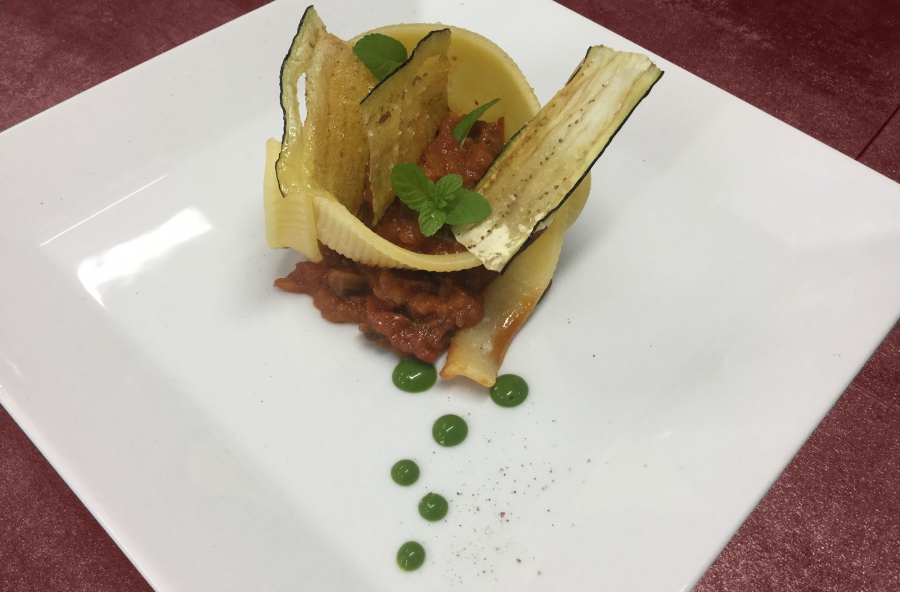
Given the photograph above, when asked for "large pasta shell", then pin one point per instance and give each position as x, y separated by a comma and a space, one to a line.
479, 72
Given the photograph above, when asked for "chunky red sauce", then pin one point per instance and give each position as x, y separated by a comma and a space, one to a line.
471, 160
411, 312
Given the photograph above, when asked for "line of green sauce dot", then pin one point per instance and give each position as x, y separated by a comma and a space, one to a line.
415, 376
509, 390
433, 507
410, 556
405, 472
449, 430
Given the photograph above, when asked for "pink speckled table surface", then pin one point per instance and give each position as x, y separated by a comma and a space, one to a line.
830, 68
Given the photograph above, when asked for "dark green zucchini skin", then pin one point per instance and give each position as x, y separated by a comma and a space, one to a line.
289, 57
291, 51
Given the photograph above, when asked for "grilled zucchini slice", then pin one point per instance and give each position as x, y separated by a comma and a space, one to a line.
402, 114
543, 164
336, 81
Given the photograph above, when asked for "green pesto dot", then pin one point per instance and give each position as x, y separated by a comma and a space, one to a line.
449, 430
411, 556
509, 390
433, 507
405, 472
414, 376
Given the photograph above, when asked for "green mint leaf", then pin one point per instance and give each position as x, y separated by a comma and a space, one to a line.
467, 207
412, 186
445, 189
380, 54
462, 128
437, 203
431, 222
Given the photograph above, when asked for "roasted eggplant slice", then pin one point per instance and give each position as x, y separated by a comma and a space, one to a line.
542, 165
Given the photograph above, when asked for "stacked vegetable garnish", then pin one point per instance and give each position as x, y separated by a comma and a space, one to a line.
461, 258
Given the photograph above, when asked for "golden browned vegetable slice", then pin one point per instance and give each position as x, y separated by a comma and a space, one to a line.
402, 114
539, 168
329, 151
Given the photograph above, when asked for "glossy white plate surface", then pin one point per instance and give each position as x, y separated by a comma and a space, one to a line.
727, 280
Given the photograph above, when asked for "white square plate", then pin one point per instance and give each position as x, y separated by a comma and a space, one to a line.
728, 278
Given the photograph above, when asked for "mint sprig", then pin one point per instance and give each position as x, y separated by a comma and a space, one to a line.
380, 54
462, 128
444, 202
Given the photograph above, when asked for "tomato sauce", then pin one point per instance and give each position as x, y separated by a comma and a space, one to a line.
414, 313
471, 160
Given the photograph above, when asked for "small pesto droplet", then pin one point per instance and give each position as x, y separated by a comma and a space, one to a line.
449, 430
411, 556
414, 376
405, 472
509, 390
433, 507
